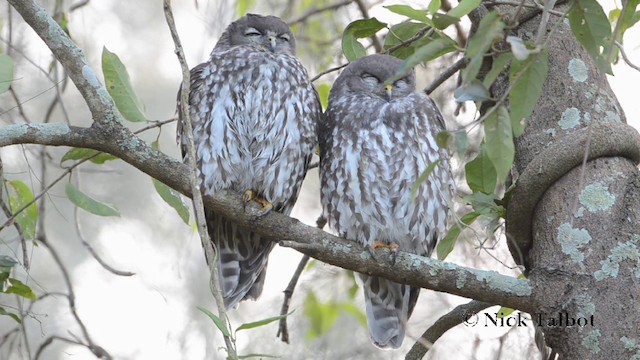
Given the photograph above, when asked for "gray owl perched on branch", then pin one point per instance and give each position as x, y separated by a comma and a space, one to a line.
254, 114
376, 140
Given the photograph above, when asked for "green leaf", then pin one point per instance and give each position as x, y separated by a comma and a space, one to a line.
434, 6
355, 311
527, 78
28, 218
170, 196
411, 13
358, 29
432, 50
480, 173
442, 21
89, 204
400, 33
464, 7
97, 157
7, 262
499, 141
11, 315
472, 90
456, 140
263, 322
504, 312
6, 72
217, 321
119, 87
18, 288
423, 177
591, 27
323, 92
485, 204
321, 316
499, 65
262, 356
243, 6
490, 29
624, 19
446, 245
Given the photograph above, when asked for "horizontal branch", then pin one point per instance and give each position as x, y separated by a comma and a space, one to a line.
411, 269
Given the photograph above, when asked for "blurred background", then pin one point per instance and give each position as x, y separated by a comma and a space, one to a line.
153, 314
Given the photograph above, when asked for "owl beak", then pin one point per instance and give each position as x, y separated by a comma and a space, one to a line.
271, 45
389, 89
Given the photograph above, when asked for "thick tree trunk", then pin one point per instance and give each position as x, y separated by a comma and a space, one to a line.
584, 257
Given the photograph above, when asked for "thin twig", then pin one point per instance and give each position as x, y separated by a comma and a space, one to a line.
417, 36
462, 313
283, 331
449, 72
78, 5
313, 79
71, 298
315, 11
624, 56
542, 27
198, 203
445, 5
50, 340
92, 251
523, 4
365, 15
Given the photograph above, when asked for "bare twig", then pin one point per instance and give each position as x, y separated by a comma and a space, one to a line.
445, 5
542, 27
364, 10
198, 204
93, 252
283, 331
314, 11
417, 36
460, 314
522, 4
78, 5
449, 72
624, 56
92, 346
327, 72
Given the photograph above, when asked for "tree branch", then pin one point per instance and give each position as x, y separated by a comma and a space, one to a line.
460, 314
72, 59
411, 269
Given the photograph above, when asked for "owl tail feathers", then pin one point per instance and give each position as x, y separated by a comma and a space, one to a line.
237, 285
388, 308
243, 260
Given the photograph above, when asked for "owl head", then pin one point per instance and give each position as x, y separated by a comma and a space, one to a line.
267, 33
371, 75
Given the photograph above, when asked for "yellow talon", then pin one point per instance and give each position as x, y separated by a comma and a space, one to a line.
379, 244
250, 195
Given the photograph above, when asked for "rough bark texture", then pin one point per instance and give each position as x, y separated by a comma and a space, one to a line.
584, 259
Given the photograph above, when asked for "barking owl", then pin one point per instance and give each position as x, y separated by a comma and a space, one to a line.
254, 114
377, 138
